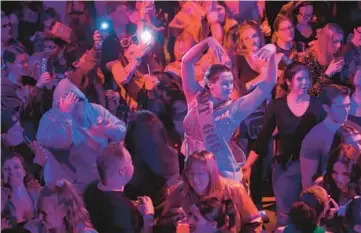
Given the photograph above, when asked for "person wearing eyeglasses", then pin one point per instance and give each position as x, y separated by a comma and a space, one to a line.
128, 59
283, 38
351, 53
304, 32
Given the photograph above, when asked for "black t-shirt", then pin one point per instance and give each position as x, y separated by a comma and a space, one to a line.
290, 54
302, 40
245, 73
111, 51
111, 211
291, 129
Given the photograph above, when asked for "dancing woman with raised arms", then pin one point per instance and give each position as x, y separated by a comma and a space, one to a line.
213, 116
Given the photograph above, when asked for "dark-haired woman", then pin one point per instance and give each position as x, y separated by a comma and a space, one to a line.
155, 161
212, 116
18, 202
293, 115
304, 32
343, 175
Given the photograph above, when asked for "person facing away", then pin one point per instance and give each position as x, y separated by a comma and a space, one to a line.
110, 210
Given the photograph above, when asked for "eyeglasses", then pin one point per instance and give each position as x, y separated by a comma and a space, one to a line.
306, 16
291, 28
127, 41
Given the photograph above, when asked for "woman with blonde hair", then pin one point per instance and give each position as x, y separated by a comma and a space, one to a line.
249, 41
201, 179
322, 58
61, 209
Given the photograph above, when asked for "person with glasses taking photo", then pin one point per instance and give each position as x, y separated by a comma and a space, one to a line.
127, 60
323, 58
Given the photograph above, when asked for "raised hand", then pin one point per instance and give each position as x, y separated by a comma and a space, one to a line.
145, 206
150, 81
266, 52
41, 153
98, 40
66, 104
335, 67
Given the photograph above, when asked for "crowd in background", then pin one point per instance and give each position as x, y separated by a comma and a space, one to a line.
173, 116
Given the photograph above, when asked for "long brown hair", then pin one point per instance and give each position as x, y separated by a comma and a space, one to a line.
218, 186
349, 156
63, 194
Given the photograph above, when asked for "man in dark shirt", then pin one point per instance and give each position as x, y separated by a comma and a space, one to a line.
110, 210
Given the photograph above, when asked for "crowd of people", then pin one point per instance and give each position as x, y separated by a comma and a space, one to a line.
167, 116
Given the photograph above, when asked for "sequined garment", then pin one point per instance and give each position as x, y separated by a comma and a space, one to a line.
227, 119
319, 78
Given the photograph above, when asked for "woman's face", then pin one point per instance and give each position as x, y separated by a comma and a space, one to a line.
300, 83
336, 43
223, 87
13, 172
305, 14
340, 175
221, 13
51, 215
251, 40
51, 49
286, 31
198, 177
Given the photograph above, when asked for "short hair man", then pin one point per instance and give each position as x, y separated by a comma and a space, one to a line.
317, 143
110, 210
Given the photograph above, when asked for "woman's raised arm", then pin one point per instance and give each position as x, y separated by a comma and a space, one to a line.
190, 85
